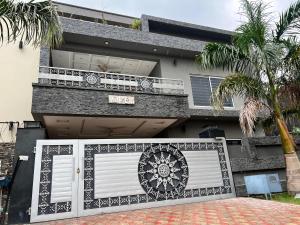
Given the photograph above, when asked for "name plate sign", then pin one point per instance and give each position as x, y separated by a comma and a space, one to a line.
123, 100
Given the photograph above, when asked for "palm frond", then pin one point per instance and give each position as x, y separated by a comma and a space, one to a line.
291, 59
224, 56
248, 115
289, 22
238, 85
33, 22
5, 23
272, 56
255, 30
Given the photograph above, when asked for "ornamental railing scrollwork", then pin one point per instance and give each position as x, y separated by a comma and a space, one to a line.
109, 81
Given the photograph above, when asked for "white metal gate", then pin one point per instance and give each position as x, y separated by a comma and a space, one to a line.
85, 177
55, 181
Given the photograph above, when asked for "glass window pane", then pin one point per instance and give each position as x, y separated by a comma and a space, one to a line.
214, 84
201, 91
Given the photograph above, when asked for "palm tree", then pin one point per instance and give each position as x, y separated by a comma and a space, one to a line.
32, 22
259, 58
289, 99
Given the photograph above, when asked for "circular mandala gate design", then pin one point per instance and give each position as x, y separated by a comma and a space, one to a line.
163, 172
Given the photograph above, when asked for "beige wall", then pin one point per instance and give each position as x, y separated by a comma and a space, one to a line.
192, 128
183, 69
18, 70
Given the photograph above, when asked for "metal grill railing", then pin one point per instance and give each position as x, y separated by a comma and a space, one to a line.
109, 81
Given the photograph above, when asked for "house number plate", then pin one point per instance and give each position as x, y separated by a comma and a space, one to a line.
123, 100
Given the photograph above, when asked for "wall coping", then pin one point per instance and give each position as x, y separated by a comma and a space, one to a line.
97, 89
269, 140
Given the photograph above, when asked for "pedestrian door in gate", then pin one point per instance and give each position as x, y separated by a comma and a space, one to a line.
55, 186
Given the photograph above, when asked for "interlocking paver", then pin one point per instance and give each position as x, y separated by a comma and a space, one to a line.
235, 211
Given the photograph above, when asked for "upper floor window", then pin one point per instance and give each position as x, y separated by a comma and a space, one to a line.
202, 89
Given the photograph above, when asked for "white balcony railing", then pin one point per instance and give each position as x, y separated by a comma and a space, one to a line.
109, 81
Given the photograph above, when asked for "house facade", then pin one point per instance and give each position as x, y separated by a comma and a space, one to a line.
108, 88
110, 81
79, 89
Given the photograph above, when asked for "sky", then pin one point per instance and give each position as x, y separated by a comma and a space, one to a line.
223, 14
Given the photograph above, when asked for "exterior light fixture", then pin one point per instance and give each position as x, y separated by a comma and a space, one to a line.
155, 49
21, 45
175, 62
106, 43
11, 125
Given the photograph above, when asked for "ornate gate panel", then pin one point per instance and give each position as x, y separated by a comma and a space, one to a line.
55, 184
85, 177
128, 174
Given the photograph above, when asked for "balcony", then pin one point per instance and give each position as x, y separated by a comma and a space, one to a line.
63, 77
74, 103
90, 33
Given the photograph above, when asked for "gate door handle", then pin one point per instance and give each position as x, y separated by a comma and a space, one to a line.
82, 174
73, 174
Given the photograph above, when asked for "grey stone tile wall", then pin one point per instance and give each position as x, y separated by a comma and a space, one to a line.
88, 102
257, 156
214, 113
81, 27
7, 152
44, 56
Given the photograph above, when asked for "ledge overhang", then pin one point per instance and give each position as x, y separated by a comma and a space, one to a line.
91, 33
212, 114
53, 100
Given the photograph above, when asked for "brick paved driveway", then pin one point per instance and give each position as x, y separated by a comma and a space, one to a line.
237, 211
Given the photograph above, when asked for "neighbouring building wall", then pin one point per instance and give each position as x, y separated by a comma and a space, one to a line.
19, 69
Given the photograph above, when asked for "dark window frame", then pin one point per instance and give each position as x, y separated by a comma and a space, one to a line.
211, 90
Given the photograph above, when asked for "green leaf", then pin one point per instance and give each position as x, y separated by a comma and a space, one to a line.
227, 57
238, 85
289, 21
33, 22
